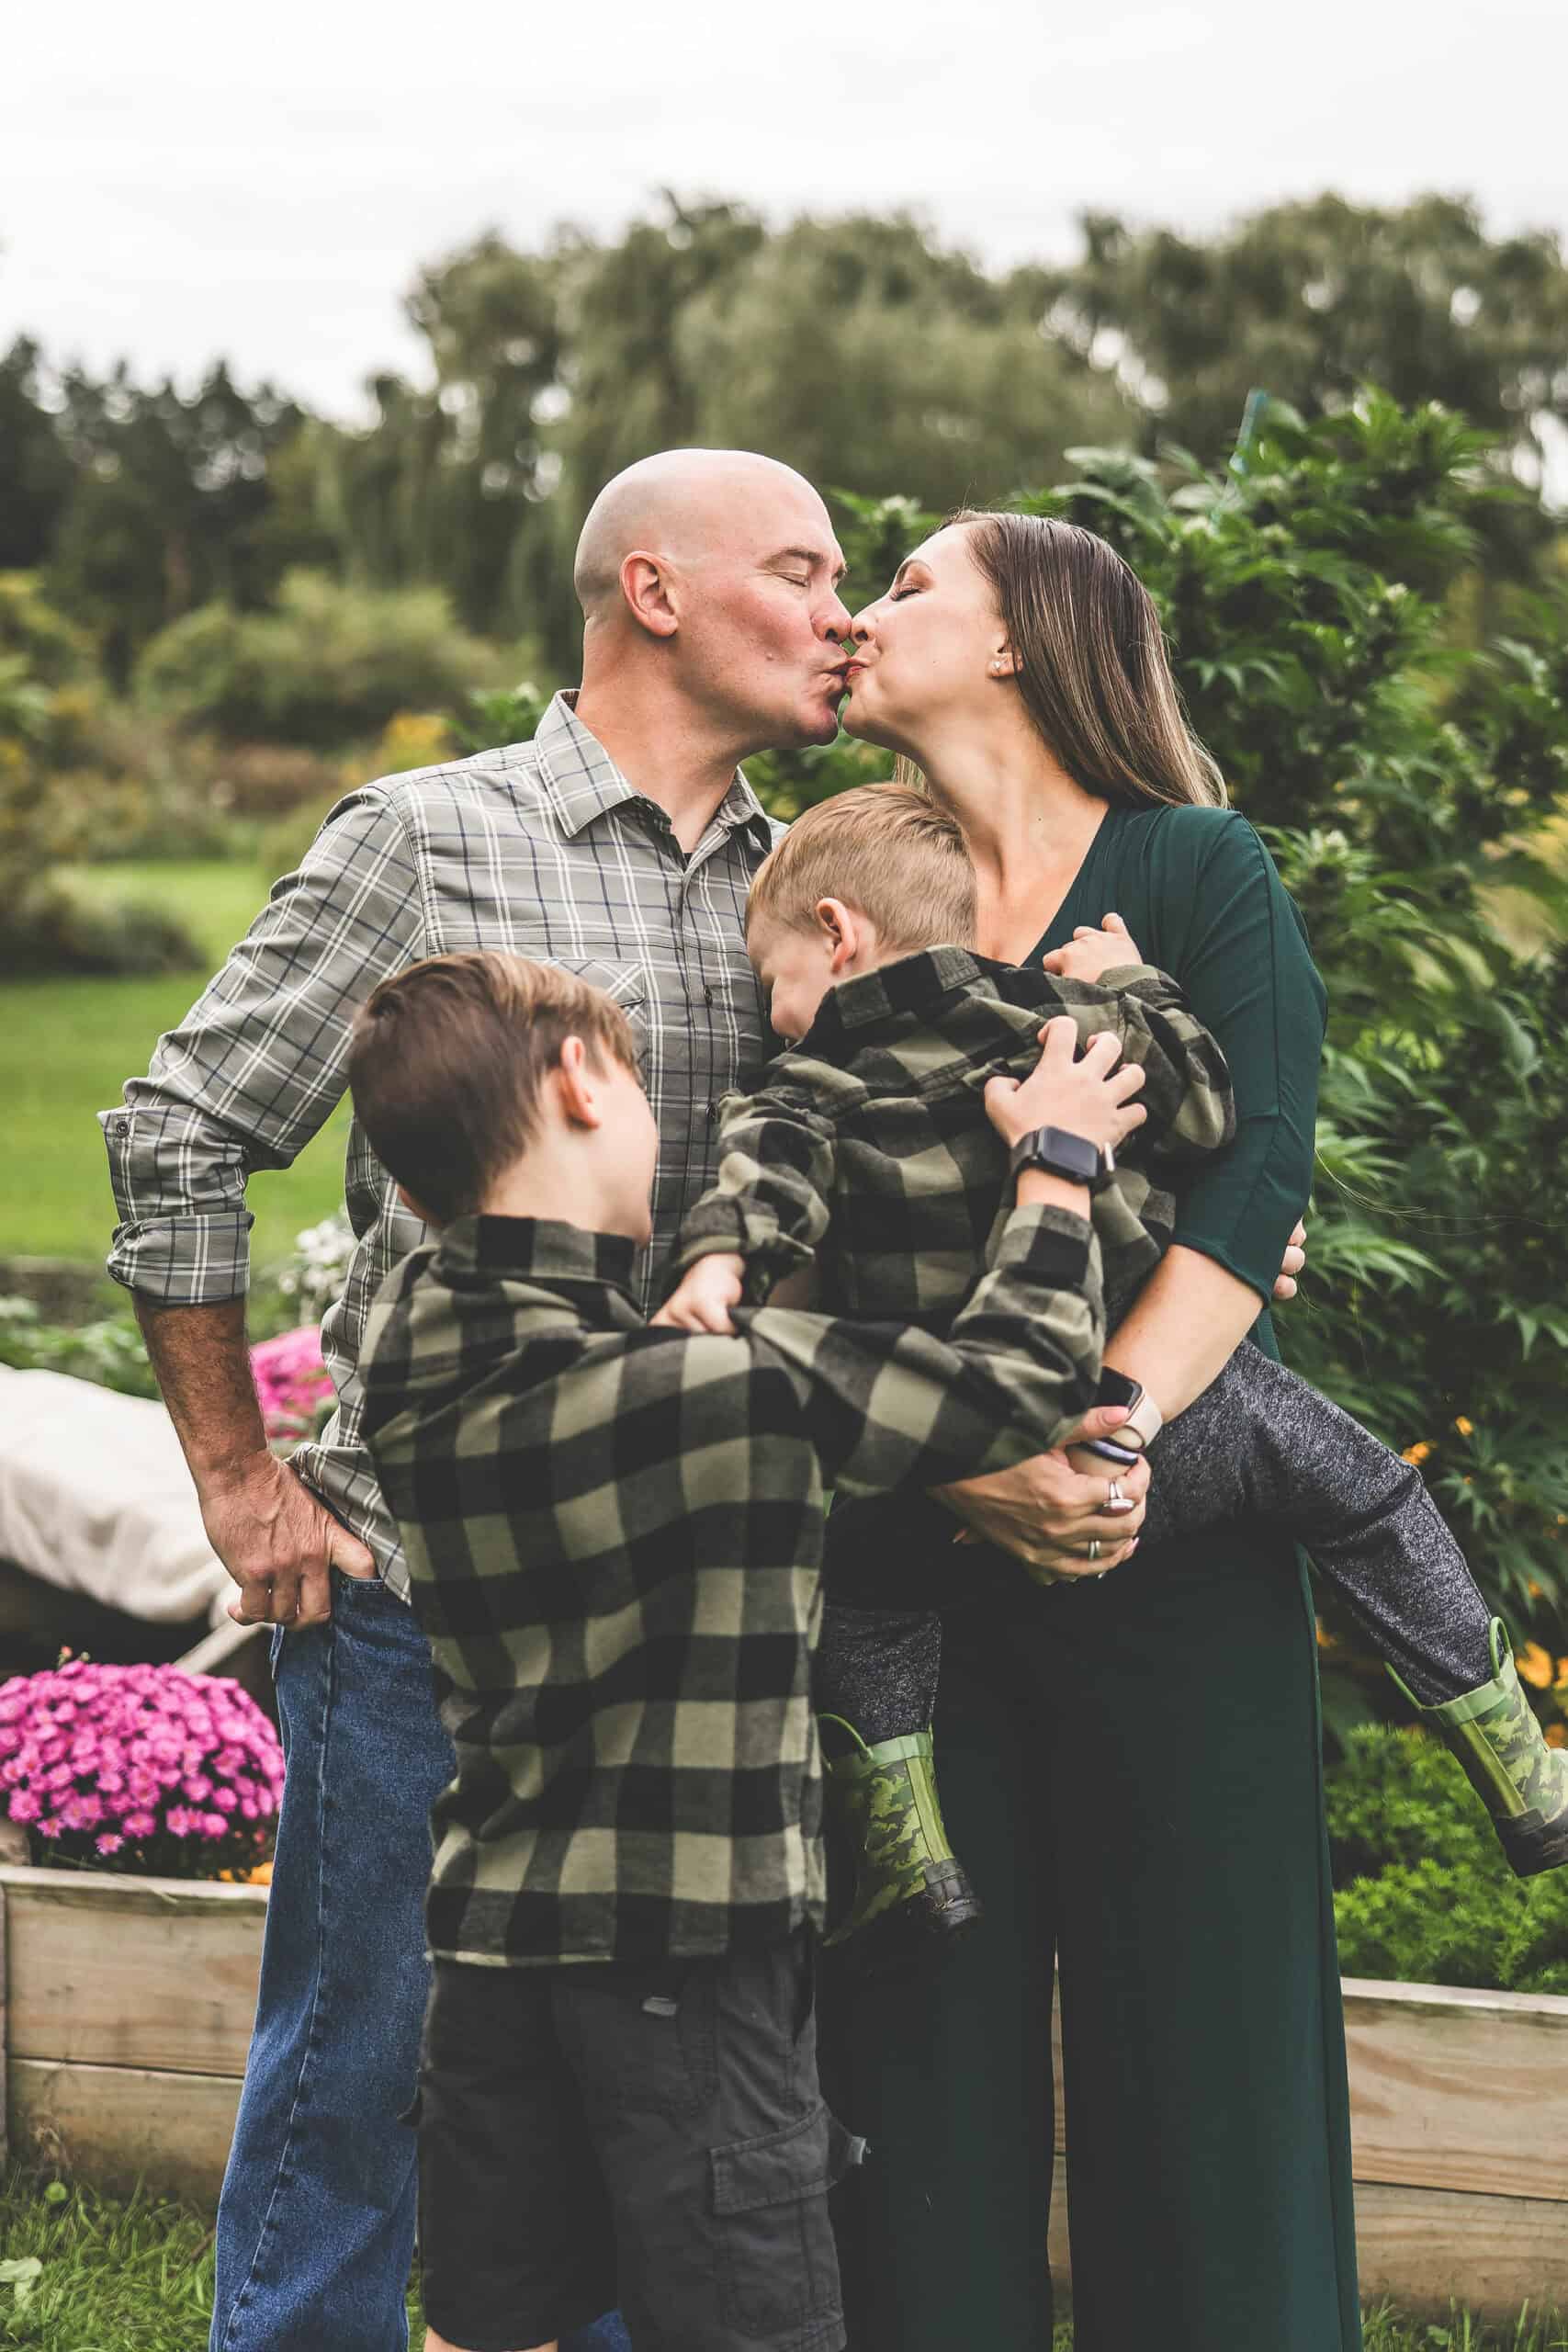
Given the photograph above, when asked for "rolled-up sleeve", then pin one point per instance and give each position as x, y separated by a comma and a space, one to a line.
259, 1062
1249, 978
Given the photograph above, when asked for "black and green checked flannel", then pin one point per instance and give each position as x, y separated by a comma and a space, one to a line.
615, 1537
867, 1147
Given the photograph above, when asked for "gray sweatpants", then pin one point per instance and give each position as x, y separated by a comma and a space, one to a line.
1259, 1443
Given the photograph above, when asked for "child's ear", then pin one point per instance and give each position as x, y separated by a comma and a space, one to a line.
576, 1083
843, 929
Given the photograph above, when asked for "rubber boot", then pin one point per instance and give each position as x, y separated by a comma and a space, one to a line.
1522, 1782
912, 1895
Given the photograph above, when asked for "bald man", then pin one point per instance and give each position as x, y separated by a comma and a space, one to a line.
619, 843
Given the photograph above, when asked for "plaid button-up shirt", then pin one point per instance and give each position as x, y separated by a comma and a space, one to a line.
868, 1145
541, 848
614, 1535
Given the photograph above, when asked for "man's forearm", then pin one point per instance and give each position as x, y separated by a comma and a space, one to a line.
203, 1367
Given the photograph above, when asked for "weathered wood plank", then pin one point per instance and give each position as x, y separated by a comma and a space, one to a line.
1422, 2246
123, 1971
1457, 2091
116, 2125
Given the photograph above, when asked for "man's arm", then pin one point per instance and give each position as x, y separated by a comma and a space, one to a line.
243, 1082
276, 1540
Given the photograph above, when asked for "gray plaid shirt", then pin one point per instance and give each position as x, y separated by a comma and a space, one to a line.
543, 848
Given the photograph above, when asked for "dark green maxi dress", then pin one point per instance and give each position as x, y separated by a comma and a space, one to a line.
1131, 1768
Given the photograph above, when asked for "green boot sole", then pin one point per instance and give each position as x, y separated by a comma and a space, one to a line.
912, 1895
1522, 1782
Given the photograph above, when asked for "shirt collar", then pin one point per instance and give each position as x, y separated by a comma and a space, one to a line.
538, 1249
913, 984
584, 781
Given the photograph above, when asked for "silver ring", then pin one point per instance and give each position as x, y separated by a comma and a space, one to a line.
1093, 1549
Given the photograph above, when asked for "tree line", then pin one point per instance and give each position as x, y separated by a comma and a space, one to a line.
862, 350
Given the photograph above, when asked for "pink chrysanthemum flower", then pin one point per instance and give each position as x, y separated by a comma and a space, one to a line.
141, 1766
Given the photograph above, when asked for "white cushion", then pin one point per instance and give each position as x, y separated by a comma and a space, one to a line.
96, 1498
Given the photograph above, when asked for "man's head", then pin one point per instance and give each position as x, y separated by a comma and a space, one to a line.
717, 570
857, 882
486, 1084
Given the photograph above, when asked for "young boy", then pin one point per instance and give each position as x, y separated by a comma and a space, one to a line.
866, 1147
614, 1536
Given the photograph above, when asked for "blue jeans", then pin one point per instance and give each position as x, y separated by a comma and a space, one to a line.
316, 2226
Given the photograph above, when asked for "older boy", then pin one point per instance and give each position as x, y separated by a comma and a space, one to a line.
614, 1534
863, 1147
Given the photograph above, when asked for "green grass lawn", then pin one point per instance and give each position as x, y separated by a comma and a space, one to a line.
137, 2277
67, 1046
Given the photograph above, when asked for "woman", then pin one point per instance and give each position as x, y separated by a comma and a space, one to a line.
1130, 1763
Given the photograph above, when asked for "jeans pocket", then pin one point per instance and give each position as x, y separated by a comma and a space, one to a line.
777, 2265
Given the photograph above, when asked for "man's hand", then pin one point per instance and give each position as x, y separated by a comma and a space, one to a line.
1295, 1258
277, 1542
1092, 954
706, 1292
1046, 1512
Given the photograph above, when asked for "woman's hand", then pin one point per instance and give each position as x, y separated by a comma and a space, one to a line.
1092, 954
1085, 1094
1295, 1258
1046, 1513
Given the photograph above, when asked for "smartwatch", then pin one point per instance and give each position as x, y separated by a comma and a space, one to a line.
1142, 1425
1068, 1156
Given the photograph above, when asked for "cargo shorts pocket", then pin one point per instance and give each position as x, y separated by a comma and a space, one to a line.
777, 2265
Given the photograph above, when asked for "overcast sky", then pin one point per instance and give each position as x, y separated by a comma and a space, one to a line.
179, 182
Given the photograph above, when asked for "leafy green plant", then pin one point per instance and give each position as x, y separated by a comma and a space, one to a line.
1423, 1894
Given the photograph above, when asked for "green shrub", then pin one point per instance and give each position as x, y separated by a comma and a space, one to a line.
1424, 1894
108, 1350
53, 932
329, 664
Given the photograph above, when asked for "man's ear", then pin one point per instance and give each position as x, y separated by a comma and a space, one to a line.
646, 585
844, 929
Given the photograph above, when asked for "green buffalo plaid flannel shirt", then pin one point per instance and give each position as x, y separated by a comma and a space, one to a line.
614, 1536
867, 1145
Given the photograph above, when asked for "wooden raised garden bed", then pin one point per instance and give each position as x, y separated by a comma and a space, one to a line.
126, 2006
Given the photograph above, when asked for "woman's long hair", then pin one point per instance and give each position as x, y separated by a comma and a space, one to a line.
1094, 670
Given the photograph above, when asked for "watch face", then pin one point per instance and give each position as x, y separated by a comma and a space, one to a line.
1069, 1155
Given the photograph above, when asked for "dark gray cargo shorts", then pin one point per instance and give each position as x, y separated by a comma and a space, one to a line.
592, 2136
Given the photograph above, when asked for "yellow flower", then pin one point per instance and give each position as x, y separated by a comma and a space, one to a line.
1535, 1665
1325, 1640
1465, 1427
1416, 1453
1557, 1735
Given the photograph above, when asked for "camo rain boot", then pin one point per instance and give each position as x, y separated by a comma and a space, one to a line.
1522, 1782
911, 1893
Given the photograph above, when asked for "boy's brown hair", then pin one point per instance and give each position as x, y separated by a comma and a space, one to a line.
446, 1061
888, 851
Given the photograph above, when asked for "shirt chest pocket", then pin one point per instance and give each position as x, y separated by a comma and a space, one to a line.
625, 984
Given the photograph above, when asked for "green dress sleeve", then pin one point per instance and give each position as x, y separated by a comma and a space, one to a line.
1236, 943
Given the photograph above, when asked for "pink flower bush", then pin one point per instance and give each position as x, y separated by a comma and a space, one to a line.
292, 1380
140, 1768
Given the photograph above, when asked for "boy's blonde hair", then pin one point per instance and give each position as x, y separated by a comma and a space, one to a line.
884, 849
448, 1058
